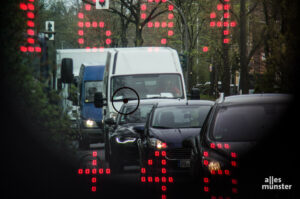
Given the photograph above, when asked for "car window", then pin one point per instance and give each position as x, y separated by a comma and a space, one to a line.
180, 117
138, 116
247, 122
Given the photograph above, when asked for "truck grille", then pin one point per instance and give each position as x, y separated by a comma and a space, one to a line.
179, 153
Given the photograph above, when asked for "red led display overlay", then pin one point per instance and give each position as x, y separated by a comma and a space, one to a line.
221, 18
94, 172
156, 172
217, 173
165, 26
31, 45
87, 26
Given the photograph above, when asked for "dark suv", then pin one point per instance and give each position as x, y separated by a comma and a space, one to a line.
160, 145
235, 126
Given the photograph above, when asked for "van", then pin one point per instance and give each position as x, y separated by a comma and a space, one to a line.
90, 82
153, 72
139, 73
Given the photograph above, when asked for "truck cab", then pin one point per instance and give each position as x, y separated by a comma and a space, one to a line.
90, 82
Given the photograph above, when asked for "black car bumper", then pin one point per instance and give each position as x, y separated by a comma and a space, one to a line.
93, 135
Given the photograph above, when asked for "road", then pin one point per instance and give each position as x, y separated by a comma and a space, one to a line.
127, 184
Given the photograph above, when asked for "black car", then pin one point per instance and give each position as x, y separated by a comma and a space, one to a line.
160, 145
122, 148
235, 127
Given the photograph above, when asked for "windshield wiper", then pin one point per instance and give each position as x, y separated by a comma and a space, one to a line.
159, 97
161, 127
117, 100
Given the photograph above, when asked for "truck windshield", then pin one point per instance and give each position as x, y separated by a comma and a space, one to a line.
91, 87
148, 86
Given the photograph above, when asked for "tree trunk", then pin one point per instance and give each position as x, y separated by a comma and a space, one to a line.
244, 81
138, 36
226, 73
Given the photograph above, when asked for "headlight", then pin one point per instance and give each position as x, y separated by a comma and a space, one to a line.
125, 140
113, 115
158, 144
89, 124
214, 166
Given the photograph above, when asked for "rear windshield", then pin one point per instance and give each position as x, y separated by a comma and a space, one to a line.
247, 122
180, 116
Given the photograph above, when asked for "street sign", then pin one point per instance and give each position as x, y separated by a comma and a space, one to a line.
102, 4
50, 28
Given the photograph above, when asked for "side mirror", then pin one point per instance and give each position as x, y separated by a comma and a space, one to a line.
139, 129
195, 94
110, 121
98, 100
67, 71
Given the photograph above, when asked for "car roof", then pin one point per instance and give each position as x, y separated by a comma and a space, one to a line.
167, 103
257, 98
186, 103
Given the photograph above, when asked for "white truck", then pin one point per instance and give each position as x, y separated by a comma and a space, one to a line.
142, 73
153, 72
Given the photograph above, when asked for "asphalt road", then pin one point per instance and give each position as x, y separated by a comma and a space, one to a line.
127, 184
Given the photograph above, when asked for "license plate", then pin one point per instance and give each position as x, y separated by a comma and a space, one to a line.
184, 163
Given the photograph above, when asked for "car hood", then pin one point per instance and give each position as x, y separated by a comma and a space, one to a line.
127, 130
174, 137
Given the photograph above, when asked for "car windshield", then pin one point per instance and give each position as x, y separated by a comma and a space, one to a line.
247, 122
147, 86
91, 87
138, 116
180, 117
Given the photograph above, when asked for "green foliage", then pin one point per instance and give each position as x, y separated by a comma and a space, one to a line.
25, 97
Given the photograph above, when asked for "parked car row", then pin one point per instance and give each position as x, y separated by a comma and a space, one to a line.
204, 138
